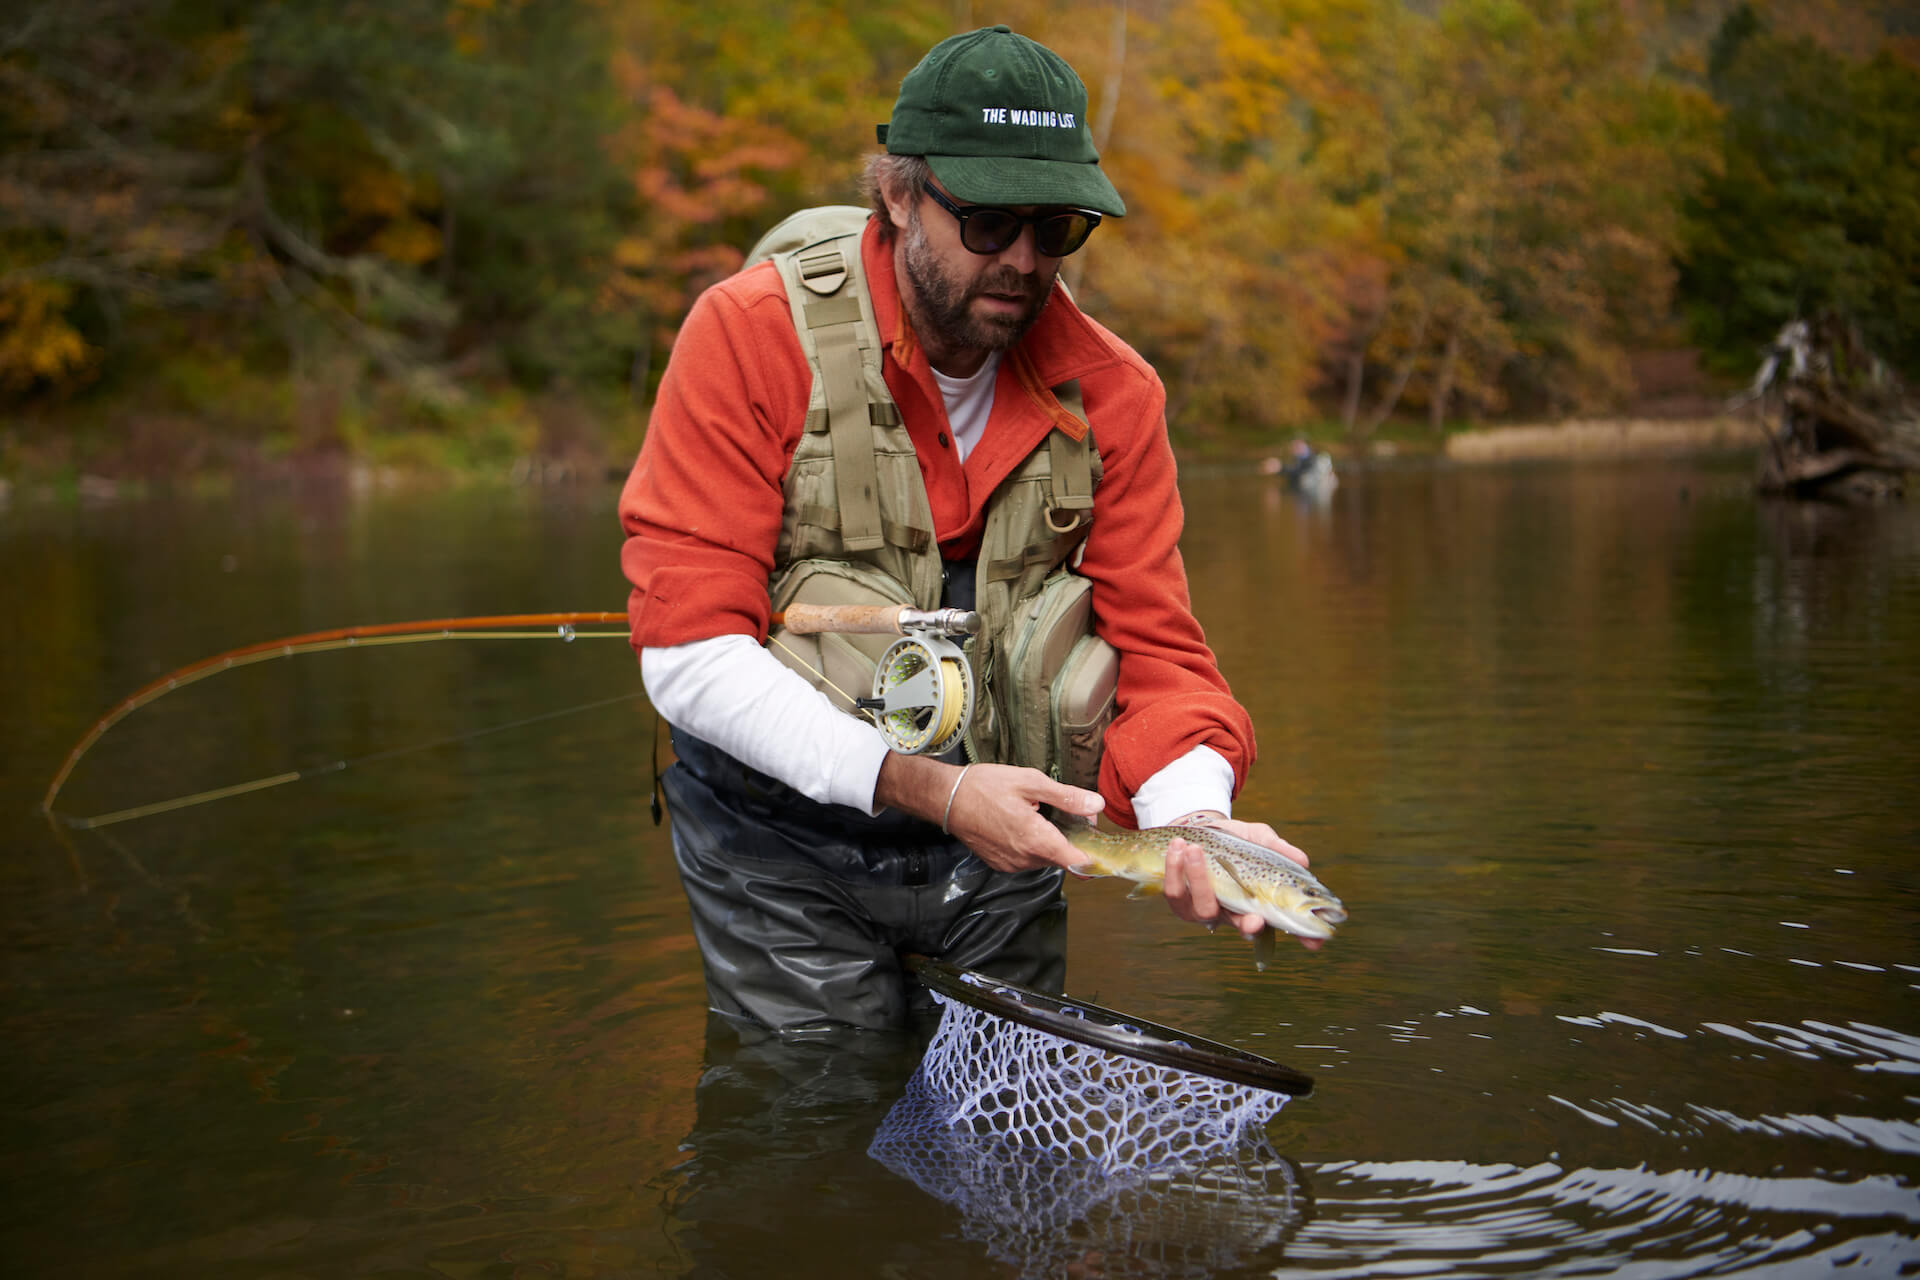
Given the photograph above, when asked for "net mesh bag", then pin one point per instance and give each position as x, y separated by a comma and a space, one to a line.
1063, 1129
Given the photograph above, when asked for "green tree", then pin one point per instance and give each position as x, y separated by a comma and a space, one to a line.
403, 182
1528, 184
1818, 205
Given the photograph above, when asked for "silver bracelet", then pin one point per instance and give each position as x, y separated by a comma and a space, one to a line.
950, 795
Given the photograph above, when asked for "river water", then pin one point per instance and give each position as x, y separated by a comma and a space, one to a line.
1617, 770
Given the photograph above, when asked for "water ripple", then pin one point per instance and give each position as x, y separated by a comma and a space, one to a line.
1414, 1218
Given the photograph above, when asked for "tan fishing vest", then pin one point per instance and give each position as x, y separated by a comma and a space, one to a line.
857, 529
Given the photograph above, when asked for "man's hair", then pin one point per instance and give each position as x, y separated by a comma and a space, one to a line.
900, 175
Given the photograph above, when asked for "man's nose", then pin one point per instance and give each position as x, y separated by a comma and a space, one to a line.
1023, 255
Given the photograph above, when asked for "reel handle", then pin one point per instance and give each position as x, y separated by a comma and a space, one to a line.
875, 620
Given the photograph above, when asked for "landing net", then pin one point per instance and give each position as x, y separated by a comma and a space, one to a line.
1060, 1126
1089, 1082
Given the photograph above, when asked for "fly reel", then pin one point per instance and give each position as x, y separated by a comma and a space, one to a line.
922, 687
922, 695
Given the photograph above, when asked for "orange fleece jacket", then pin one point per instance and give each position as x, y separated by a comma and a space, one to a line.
702, 507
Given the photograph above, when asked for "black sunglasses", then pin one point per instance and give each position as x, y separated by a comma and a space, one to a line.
986, 228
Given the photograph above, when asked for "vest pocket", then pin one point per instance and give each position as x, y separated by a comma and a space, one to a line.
1083, 700
1060, 680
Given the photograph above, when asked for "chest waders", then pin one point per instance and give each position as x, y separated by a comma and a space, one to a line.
803, 910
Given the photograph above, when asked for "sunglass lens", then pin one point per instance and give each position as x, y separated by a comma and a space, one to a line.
1061, 234
989, 230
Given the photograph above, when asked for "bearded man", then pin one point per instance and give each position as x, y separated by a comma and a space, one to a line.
1009, 454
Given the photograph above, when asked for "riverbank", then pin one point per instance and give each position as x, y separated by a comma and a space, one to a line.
566, 450
1596, 439
210, 431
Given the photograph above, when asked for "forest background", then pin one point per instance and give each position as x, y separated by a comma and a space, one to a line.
259, 238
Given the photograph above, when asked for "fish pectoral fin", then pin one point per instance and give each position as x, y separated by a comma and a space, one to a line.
1226, 869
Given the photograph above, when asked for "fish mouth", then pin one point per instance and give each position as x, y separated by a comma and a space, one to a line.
1307, 925
1313, 922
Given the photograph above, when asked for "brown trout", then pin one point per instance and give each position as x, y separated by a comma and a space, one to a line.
1246, 877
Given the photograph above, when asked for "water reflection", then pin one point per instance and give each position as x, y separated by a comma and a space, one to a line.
801, 1146
775, 1165
1044, 1211
1616, 768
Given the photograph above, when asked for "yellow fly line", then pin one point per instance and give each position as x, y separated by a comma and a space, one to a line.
509, 626
506, 626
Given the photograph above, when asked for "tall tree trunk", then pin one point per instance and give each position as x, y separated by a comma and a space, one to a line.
1116, 67
1103, 118
1357, 367
1356, 373
1443, 382
447, 226
1390, 399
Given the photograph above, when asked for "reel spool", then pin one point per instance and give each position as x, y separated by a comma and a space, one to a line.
922, 695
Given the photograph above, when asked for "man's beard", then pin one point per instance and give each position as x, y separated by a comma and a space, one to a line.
944, 314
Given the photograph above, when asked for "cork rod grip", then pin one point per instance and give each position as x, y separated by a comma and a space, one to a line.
846, 619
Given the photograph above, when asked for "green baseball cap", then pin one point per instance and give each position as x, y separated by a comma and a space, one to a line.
1001, 120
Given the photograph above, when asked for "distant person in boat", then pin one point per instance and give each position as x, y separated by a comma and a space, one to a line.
1307, 469
940, 426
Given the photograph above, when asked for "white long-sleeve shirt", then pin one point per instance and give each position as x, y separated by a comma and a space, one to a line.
729, 691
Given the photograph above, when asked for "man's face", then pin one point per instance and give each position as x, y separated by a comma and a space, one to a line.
966, 302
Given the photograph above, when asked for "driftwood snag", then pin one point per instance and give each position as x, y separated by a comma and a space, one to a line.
1840, 423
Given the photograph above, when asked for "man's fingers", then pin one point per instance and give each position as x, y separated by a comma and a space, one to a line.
1193, 867
1188, 889
997, 813
1074, 800
1061, 851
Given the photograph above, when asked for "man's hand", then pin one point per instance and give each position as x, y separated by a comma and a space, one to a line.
1188, 887
995, 809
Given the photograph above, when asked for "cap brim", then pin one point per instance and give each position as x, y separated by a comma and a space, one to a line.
1023, 180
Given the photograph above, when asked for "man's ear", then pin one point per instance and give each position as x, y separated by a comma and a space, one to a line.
899, 206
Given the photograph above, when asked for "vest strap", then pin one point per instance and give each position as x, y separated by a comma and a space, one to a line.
822, 312
1072, 473
833, 321
1011, 567
899, 535
1072, 465
881, 415
856, 474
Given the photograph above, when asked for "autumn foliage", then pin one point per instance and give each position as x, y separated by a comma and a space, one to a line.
1357, 210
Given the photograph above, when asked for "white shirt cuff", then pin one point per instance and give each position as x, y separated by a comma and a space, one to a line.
1200, 779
